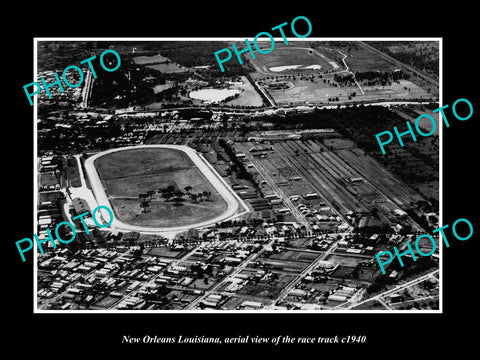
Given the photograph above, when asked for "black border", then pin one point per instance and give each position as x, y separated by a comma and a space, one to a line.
94, 334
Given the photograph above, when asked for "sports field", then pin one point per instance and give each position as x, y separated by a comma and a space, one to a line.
128, 173
294, 60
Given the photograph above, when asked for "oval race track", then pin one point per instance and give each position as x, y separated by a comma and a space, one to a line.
235, 205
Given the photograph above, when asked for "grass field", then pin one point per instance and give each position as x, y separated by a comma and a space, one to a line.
312, 92
166, 68
144, 60
361, 59
48, 179
404, 89
248, 96
165, 251
127, 174
72, 174
317, 91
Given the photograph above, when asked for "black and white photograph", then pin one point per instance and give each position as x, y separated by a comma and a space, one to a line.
259, 188
185, 180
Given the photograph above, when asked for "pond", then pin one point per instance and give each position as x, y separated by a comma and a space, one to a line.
213, 95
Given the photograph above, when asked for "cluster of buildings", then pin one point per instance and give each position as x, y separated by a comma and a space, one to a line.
129, 278
68, 96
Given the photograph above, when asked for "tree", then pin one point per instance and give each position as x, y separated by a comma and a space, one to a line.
166, 193
137, 254
188, 188
205, 194
144, 205
193, 197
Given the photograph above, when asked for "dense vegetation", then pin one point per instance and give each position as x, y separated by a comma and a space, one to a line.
423, 56
371, 77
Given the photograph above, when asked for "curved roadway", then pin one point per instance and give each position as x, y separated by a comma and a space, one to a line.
234, 203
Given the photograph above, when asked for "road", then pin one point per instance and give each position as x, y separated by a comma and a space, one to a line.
396, 289
284, 293
239, 269
347, 69
152, 280
319, 187
286, 200
87, 89
267, 95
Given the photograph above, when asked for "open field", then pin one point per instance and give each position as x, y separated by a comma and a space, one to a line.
265, 288
48, 178
248, 97
166, 68
165, 251
404, 89
72, 174
161, 87
166, 214
302, 256
307, 91
140, 162
317, 91
347, 261
360, 59
121, 175
144, 60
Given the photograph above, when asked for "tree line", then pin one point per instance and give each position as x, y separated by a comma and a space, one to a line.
171, 193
